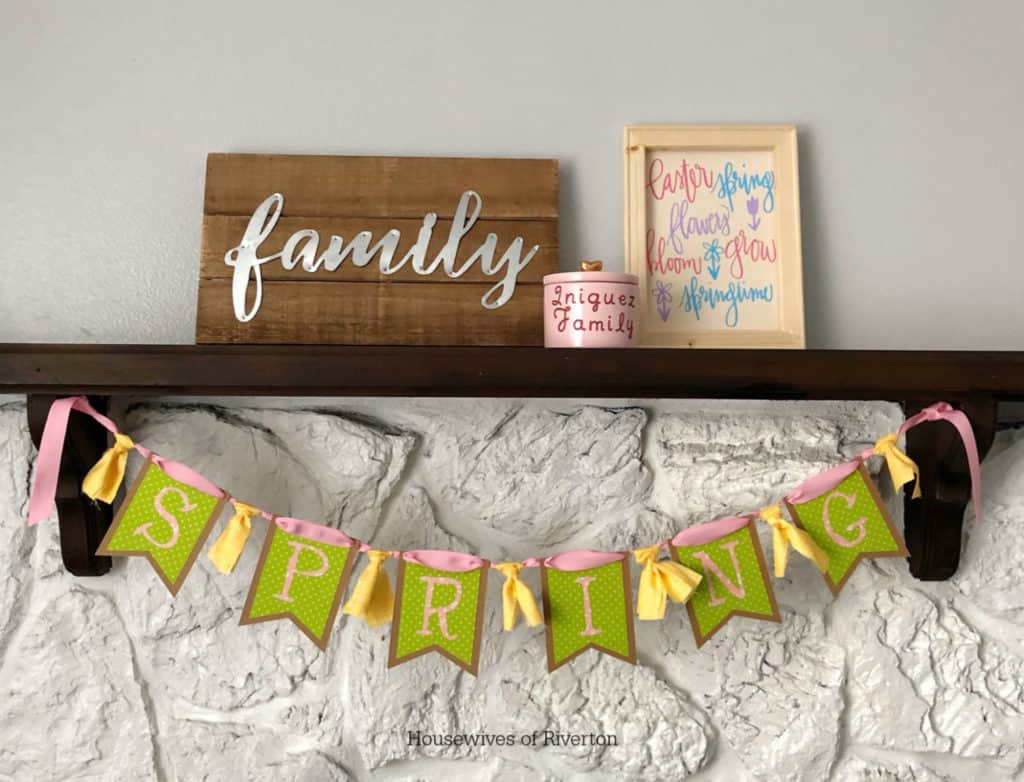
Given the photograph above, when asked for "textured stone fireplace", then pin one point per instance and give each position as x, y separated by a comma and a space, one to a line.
112, 679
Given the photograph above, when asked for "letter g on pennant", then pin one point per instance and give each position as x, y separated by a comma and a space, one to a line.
849, 521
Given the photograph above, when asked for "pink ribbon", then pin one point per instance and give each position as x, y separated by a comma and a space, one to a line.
823, 482
943, 411
182, 473
317, 532
452, 561
51, 447
709, 531
582, 559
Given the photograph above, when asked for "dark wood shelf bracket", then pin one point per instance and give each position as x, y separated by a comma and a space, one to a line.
83, 521
933, 523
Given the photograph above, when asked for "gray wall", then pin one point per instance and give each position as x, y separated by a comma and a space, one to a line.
909, 117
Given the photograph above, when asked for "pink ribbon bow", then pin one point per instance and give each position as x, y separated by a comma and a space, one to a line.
943, 411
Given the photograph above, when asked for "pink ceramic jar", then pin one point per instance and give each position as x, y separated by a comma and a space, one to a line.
591, 309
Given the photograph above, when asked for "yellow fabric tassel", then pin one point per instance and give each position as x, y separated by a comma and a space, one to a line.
902, 468
225, 552
516, 595
372, 599
659, 580
104, 479
786, 534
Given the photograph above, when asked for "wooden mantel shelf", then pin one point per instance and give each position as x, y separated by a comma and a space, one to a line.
510, 371
973, 381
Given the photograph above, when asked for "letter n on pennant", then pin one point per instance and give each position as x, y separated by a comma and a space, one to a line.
590, 608
850, 523
301, 579
438, 611
735, 582
165, 521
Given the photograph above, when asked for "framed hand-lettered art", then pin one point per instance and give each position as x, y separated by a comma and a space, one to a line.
713, 233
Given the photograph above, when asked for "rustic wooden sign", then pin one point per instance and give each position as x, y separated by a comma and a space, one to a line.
311, 249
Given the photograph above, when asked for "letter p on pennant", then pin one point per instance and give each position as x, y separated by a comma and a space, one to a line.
301, 578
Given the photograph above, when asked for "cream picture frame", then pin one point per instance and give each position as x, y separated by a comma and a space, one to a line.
683, 305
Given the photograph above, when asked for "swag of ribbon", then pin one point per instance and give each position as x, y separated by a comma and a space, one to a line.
836, 519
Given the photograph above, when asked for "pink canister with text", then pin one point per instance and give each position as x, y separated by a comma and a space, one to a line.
591, 309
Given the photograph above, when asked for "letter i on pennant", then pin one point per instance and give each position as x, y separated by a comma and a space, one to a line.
588, 604
843, 512
735, 580
165, 521
439, 607
301, 575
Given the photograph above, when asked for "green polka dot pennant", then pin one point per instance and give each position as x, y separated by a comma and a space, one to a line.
165, 521
850, 523
438, 610
735, 577
300, 578
587, 608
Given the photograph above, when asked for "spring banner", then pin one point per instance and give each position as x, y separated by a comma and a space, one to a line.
718, 569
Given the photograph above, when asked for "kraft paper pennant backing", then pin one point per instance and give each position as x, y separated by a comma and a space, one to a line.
850, 523
438, 611
745, 590
165, 521
300, 579
588, 609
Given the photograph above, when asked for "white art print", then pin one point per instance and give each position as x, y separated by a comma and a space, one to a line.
711, 245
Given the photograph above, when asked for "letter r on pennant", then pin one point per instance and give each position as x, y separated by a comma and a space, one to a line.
442, 611
736, 589
292, 569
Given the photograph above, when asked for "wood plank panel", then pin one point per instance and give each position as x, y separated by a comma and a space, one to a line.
345, 196
325, 186
223, 232
338, 313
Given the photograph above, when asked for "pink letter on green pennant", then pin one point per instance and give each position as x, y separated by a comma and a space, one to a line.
728, 554
165, 521
589, 608
302, 579
850, 523
438, 611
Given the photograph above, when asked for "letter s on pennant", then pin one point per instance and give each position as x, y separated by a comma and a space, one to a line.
166, 515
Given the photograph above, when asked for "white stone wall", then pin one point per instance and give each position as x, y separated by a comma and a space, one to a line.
112, 679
